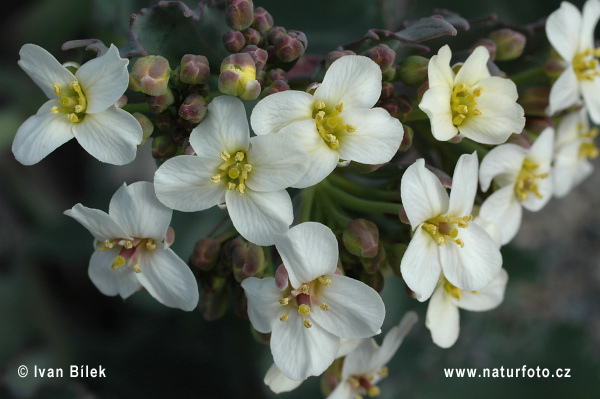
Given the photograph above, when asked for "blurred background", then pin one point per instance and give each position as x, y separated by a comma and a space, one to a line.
51, 315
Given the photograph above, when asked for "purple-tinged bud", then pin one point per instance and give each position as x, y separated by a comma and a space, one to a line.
163, 147
253, 37
333, 56
406, 107
276, 74
281, 277
361, 238
259, 56
387, 90
163, 122
194, 69
413, 70
150, 75
205, 254
239, 14
383, 56
239, 301
489, 44
121, 102
248, 260
234, 41
209, 281
180, 135
290, 46
374, 280
213, 305
238, 77
422, 89
509, 44
275, 87
555, 67
407, 138
535, 100
275, 33
537, 125
371, 265
391, 106
394, 253
193, 108
364, 168
263, 21
160, 103
146, 124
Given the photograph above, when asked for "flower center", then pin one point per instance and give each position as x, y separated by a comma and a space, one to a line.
588, 149
451, 289
329, 125
445, 228
364, 384
527, 181
129, 251
72, 101
303, 298
585, 64
462, 103
233, 171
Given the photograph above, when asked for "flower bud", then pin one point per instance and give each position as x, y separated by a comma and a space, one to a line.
387, 90
290, 46
275, 87
374, 280
361, 238
371, 265
248, 260
413, 70
209, 281
150, 75
234, 41
554, 67
163, 122
276, 74
535, 100
253, 37
238, 77
213, 305
160, 103
194, 69
259, 56
407, 138
239, 301
383, 56
121, 102
275, 33
146, 124
239, 14
489, 44
163, 147
391, 106
193, 108
509, 44
205, 254
538, 125
333, 56
263, 21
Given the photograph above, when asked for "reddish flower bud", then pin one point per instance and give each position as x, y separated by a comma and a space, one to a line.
290, 46
238, 77
146, 124
275, 87
150, 75
160, 103
163, 147
361, 238
194, 69
335, 55
487, 43
275, 33
535, 100
234, 41
253, 37
259, 56
239, 14
383, 56
205, 254
263, 21
193, 108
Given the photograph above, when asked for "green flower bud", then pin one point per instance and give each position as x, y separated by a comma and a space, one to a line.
150, 75
194, 69
213, 305
371, 265
238, 77
146, 124
554, 67
163, 147
413, 70
509, 44
361, 238
234, 41
374, 280
205, 254
407, 138
248, 260
275, 33
193, 108
239, 14
160, 103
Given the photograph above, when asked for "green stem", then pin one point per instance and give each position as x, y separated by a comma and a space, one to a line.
360, 190
308, 196
528, 75
471, 146
137, 107
331, 210
358, 204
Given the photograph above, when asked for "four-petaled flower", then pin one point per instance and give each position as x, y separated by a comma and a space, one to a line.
571, 33
249, 175
318, 307
131, 243
81, 105
471, 102
338, 122
523, 180
444, 239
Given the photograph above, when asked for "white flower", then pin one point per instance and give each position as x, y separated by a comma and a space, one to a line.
338, 122
523, 180
81, 105
571, 33
574, 147
365, 366
130, 252
480, 107
248, 174
444, 239
307, 319
442, 317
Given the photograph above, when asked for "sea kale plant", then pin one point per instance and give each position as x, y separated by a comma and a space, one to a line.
404, 154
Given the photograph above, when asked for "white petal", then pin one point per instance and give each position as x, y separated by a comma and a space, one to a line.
464, 185
355, 309
278, 382
353, 80
486, 298
44, 69
421, 265
308, 250
168, 279
99, 223
568, 127
591, 14
562, 29
491, 228
569, 169
264, 309
542, 150
343, 390
104, 80
439, 71
436, 104
278, 161
503, 163
423, 196
503, 209
442, 319
564, 92
300, 352
121, 281
138, 211
376, 139
111, 136
590, 89
479, 262
474, 70
278, 110
41, 134
392, 340
225, 128
258, 216
359, 361
545, 189
347, 346
183, 183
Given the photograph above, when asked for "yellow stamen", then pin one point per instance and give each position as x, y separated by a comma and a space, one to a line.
374, 391
307, 323
324, 307
304, 289
452, 290
588, 150
354, 382
151, 245
330, 125
462, 103
585, 64
527, 181
128, 244
285, 316
284, 301
304, 310
383, 372
118, 262
136, 268
445, 228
